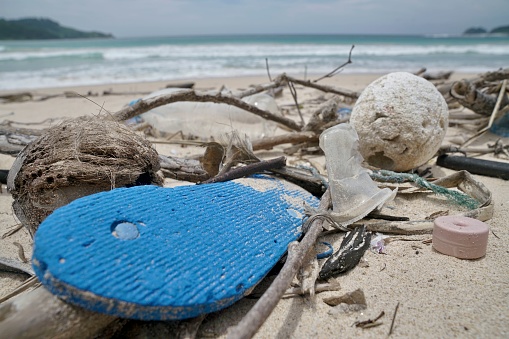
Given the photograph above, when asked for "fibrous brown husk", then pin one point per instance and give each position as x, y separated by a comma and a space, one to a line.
76, 158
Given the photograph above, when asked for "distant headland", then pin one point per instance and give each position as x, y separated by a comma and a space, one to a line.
482, 30
42, 28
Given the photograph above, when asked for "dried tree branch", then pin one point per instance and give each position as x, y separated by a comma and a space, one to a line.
255, 318
51, 318
323, 88
7, 130
289, 138
257, 89
145, 105
337, 69
393, 319
470, 97
323, 115
16, 266
268, 70
293, 91
497, 148
183, 169
283, 79
243, 171
31, 282
498, 75
478, 82
501, 96
14, 139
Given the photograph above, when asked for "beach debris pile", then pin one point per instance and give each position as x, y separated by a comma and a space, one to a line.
211, 120
45, 177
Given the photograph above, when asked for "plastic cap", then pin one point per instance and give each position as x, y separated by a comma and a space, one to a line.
461, 237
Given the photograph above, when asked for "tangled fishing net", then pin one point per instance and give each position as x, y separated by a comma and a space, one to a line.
76, 158
454, 196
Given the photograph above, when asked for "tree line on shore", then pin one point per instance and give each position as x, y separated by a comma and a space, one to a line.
42, 28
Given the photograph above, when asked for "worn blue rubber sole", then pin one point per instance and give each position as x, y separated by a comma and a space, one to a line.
155, 253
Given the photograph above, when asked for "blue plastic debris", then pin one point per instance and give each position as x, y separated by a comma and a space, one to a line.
155, 253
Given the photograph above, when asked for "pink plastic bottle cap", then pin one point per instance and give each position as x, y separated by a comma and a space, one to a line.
461, 237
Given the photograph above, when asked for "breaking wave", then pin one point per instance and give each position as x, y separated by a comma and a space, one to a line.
44, 64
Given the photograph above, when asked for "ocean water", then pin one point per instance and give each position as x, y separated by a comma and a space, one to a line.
48, 63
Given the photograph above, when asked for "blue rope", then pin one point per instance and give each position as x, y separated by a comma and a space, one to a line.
327, 253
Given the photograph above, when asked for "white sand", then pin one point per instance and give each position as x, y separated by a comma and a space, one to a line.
439, 296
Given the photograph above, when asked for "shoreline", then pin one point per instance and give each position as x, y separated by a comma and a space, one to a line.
358, 80
60, 106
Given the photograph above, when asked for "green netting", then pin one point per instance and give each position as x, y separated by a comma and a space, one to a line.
455, 196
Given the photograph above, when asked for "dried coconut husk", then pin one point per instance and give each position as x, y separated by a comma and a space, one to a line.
76, 158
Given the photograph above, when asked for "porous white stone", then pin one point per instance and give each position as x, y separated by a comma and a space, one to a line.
401, 120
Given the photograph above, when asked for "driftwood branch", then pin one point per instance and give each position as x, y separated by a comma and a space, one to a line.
283, 79
496, 148
257, 89
339, 68
501, 96
146, 105
289, 138
324, 114
16, 266
498, 75
7, 130
183, 169
250, 169
268, 70
40, 314
255, 318
14, 139
472, 98
6, 147
293, 92
478, 82
436, 76
323, 88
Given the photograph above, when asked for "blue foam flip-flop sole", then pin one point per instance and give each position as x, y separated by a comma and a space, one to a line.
155, 253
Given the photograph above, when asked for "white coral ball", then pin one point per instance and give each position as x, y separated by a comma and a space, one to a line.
401, 120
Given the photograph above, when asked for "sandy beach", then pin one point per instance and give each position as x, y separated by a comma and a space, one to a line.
439, 296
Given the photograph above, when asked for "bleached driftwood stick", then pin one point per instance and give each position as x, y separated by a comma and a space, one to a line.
40, 314
270, 142
283, 79
146, 105
471, 97
501, 96
256, 316
14, 139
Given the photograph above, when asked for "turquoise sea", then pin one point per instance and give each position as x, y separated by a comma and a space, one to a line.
48, 63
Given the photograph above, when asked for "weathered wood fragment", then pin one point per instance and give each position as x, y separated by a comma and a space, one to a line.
472, 98
40, 314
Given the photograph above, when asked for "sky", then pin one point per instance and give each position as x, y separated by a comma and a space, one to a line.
136, 18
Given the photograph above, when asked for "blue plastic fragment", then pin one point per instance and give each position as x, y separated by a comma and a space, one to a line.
133, 102
327, 253
155, 253
344, 113
501, 126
